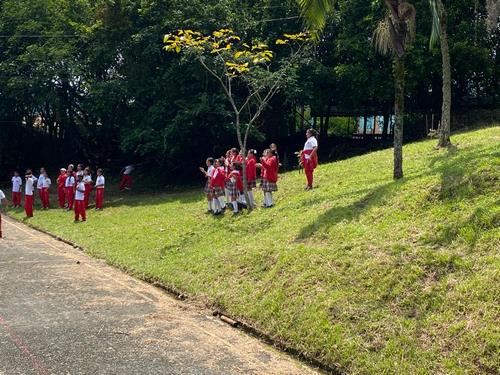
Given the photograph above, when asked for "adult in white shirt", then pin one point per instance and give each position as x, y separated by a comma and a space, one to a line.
68, 187
17, 183
39, 184
309, 156
99, 187
46, 182
29, 188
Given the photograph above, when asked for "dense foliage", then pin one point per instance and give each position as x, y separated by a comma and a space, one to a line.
87, 80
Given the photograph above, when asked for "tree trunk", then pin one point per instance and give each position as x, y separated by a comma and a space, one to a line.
444, 136
399, 112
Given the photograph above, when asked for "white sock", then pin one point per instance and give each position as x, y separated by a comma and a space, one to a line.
222, 202
235, 206
251, 198
215, 205
228, 195
270, 199
265, 199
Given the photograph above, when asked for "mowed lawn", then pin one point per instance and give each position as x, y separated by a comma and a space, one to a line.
363, 273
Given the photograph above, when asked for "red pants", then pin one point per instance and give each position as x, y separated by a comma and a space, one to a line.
28, 205
99, 197
126, 181
16, 199
88, 190
45, 197
61, 193
309, 170
80, 210
69, 196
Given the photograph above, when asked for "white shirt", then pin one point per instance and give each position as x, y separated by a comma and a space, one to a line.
100, 182
310, 144
46, 183
2, 195
128, 169
40, 182
28, 189
17, 182
70, 181
79, 195
210, 171
79, 173
87, 178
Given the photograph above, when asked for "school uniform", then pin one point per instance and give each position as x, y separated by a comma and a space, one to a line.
251, 173
269, 174
99, 192
39, 186
29, 188
45, 192
87, 181
237, 184
17, 182
207, 189
69, 185
80, 202
217, 182
2, 197
309, 160
127, 181
61, 194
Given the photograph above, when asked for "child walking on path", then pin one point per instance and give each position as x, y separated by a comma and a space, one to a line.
17, 183
80, 200
99, 190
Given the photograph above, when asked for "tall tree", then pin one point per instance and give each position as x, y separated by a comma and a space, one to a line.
439, 33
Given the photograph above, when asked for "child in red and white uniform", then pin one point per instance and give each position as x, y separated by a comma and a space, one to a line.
87, 180
17, 183
80, 200
217, 185
61, 193
69, 186
127, 181
2, 197
208, 175
29, 188
269, 165
99, 190
45, 191
39, 184
237, 184
309, 157
251, 175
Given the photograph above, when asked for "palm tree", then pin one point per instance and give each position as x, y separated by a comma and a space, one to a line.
393, 34
439, 26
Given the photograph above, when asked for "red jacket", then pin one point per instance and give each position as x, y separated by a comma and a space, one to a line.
270, 169
251, 169
239, 181
61, 181
218, 178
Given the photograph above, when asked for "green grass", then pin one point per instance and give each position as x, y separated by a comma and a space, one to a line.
363, 273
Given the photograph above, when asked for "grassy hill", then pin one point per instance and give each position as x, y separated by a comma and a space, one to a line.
363, 273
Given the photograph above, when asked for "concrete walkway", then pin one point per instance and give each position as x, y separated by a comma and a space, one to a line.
62, 312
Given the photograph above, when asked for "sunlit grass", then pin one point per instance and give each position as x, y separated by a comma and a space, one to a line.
363, 273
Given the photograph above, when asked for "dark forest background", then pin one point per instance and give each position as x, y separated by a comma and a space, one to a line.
87, 81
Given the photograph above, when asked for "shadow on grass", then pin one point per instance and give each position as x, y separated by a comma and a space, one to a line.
461, 177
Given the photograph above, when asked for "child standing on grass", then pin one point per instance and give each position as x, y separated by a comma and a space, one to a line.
29, 188
237, 185
61, 193
17, 183
99, 190
39, 184
251, 175
45, 191
87, 180
217, 185
208, 175
80, 200
127, 181
269, 166
69, 185
2, 197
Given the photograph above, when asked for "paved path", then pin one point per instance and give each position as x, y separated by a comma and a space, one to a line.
62, 312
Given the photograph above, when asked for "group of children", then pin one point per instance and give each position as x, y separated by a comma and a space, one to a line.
74, 188
224, 185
